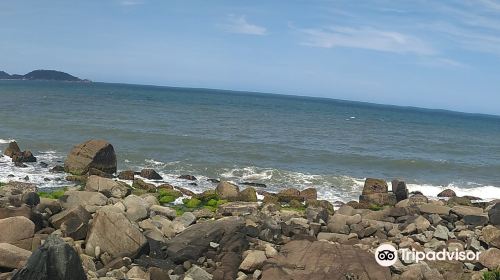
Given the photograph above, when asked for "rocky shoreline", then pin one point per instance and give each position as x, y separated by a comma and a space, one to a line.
122, 227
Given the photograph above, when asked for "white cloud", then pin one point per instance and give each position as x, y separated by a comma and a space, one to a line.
240, 25
365, 38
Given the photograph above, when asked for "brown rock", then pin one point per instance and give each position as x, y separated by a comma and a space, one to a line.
25, 156
226, 190
16, 228
12, 256
238, 208
490, 258
150, 174
97, 154
447, 193
108, 187
126, 175
305, 260
140, 184
309, 194
289, 195
12, 149
248, 195
374, 186
72, 222
114, 234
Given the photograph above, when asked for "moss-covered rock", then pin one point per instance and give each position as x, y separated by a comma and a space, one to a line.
192, 202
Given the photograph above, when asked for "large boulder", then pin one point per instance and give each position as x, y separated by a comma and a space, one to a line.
72, 222
195, 241
54, 260
447, 193
12, 256
136, 207
97, 154
290, 194
114, 234
12, 149
89, 200
108, 187
16, 228
17, 188
375, 191
226, 190
150, 174
374, 186
490, 258
318, 260
400, 190
24, 156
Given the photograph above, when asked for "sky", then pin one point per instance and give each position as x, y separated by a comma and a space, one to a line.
432, 54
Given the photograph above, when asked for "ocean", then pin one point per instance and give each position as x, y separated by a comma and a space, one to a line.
281, 141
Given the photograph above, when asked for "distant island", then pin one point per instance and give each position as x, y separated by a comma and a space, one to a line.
47, 75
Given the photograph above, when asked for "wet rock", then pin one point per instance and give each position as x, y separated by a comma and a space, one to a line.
54, 260
447, 193
187, 177
57, 169
13, 257
399, 189
150, 174
25, 156
253, 184
12, 149
126, 175
97, 154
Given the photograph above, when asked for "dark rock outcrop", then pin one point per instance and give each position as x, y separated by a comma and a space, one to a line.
54, 260
97, 154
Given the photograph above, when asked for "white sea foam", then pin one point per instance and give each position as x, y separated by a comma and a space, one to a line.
6, 141
483, 192
154, 162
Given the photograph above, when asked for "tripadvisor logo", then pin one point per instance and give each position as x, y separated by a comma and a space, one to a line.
387, 255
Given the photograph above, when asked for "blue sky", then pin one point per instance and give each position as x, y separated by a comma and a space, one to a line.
434, 54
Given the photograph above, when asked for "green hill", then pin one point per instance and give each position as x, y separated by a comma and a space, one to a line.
50, 75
